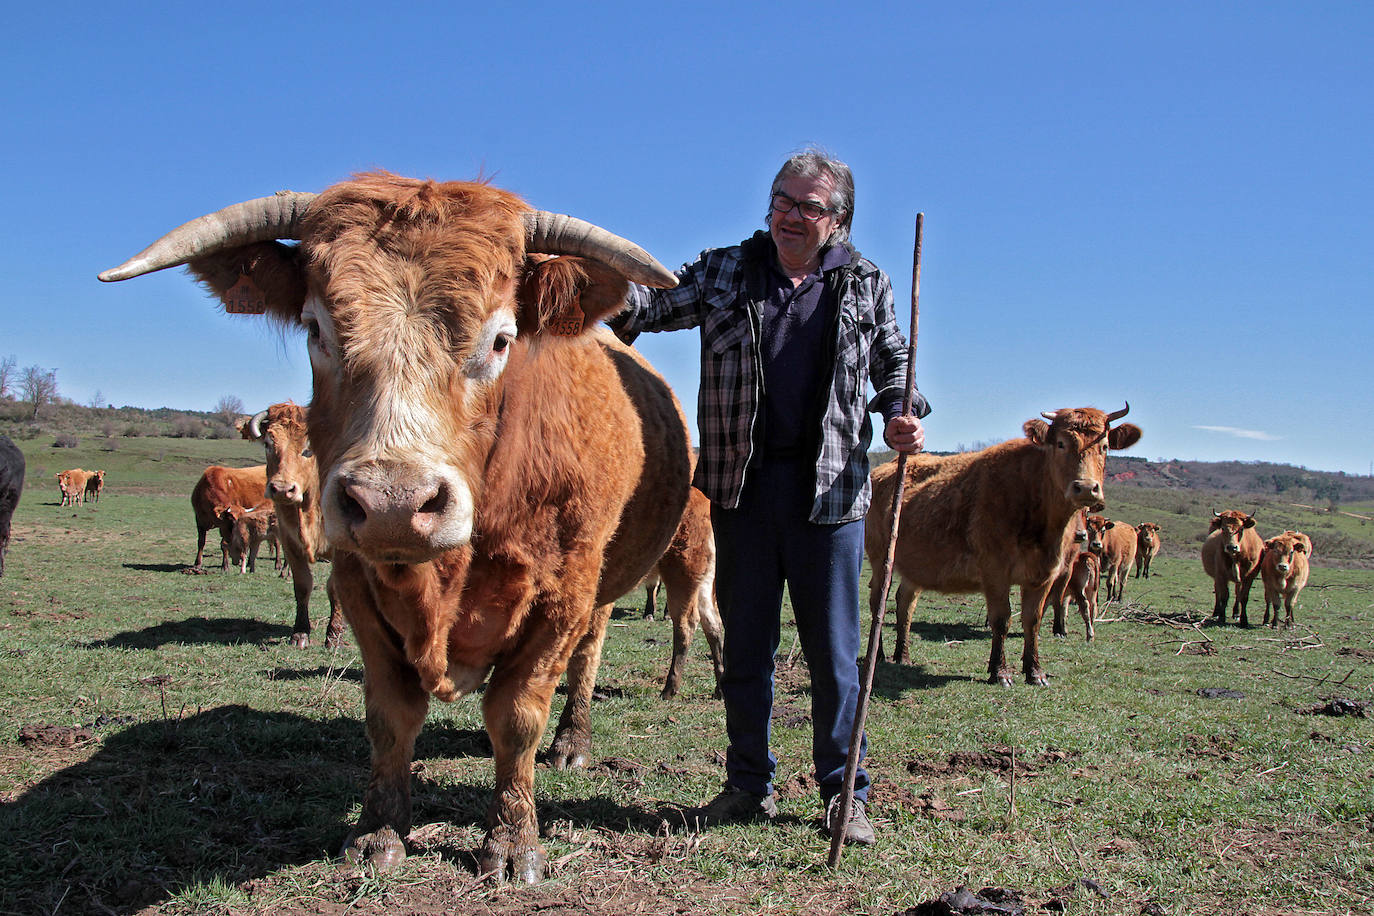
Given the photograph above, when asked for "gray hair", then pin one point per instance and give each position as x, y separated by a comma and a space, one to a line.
814, 162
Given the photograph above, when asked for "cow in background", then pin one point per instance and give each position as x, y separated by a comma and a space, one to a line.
1114, 544
1283, 570
293, 485
1078, 581
218, 488
688, 571
245, 531
11, 488
495, 467
1146, 546
72, 483
94, 484
988, 520
1231, 556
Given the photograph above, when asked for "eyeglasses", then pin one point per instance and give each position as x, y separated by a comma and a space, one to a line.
809, 210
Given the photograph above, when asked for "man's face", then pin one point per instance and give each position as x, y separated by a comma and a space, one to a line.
800, 239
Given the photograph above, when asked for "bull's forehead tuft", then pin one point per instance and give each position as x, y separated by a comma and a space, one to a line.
1081, 421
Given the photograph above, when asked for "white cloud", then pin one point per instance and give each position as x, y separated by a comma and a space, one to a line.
1241, 433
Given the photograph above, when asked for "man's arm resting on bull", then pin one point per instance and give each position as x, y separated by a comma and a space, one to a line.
648, 309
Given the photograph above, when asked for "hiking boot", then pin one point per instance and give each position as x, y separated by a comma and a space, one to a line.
732, 806
858, 831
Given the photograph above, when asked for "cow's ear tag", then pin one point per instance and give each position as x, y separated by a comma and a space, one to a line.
244, 298
569, 322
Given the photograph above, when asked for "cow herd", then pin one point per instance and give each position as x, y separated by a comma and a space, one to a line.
488, 470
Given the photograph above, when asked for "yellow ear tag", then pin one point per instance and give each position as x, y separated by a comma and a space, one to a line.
569, 323
244, 298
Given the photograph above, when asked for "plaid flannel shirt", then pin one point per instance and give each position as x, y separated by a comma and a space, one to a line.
712, 294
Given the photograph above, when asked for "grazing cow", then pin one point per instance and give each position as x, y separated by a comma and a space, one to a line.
245, 530
11, 487
1146, 546
688, 571
1114, 544
218, 488
94, 484
1077, 580
495, 468
293, 485
73, 486
988, 520
1231, 556
1283, 569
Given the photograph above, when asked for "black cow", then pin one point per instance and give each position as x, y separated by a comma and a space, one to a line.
11, 485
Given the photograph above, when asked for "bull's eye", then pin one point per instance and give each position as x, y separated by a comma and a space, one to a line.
491, 348
307, 453
500, 343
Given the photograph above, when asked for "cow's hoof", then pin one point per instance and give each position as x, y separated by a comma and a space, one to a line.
1002, 678
300, 640
1059, 635
525, 863
1037, 679
382, 849
569, 753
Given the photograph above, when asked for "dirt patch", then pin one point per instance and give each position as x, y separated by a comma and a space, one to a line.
1340, 706
996, 760
1362, 654
1217, 747
925, 804
44, 735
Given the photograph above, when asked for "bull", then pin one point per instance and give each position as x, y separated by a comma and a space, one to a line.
94, 484
988, 520
494, 469
11, 488
72, 485
1231, 557
1077, 580
293, 485
1115, 544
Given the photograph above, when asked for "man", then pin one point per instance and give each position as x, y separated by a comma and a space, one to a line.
793, 322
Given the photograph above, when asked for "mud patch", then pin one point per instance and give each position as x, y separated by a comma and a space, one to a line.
1218, 747
924, 804
963, 902
44, 735
1340, 706
997, 760
1362, 654
1219, 693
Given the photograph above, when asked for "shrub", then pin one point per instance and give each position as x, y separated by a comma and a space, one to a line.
186, 428
110, 444
65, 440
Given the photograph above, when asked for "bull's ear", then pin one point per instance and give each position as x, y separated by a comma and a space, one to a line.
1123, 436
566, 295
1249, 522
1037, 431
262, 278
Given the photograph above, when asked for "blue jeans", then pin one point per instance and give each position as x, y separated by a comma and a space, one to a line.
765, 542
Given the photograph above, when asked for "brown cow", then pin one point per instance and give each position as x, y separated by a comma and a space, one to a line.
495, 470
1283, 569
73, 486
1114, 544
245, 530
1231, 556
1146, 545
1077, 580
218, 488
293, 484
988, 520
688, 571
94, 484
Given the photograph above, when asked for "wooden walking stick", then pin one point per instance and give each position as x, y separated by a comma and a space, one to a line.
877, 600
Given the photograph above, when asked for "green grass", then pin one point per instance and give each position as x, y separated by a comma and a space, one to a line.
226, 767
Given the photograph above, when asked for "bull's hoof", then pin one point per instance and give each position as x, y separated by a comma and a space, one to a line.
300, 640
502, 859
1037, 679
382, 849
669, 692
1002, 678
569, 752
1061, 634
332, 640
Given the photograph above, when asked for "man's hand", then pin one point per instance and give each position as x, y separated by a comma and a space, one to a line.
905, 434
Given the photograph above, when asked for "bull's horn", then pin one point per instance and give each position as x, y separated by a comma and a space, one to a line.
255, 425
1216, 514
1049, 414
261, 220
1118, 414
556, 233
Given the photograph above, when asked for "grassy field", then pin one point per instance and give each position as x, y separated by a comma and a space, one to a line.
213, 769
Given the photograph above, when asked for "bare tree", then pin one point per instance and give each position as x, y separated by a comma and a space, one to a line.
229, 409
7, 371
39, 386
96, 399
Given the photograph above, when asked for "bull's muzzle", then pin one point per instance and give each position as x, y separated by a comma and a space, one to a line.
284, 491
392, 514
1087, 494
1282, 567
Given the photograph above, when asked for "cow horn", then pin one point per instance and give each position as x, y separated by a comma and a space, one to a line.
260, 220
255, 425
1118, 414
1049, 414
557, 233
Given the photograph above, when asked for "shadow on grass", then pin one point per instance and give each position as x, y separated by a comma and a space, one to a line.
225, 631
231, 795
934, 631
320, 672
158, 567
890, 681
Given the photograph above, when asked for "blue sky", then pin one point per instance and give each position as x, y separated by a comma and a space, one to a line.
1166, 203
